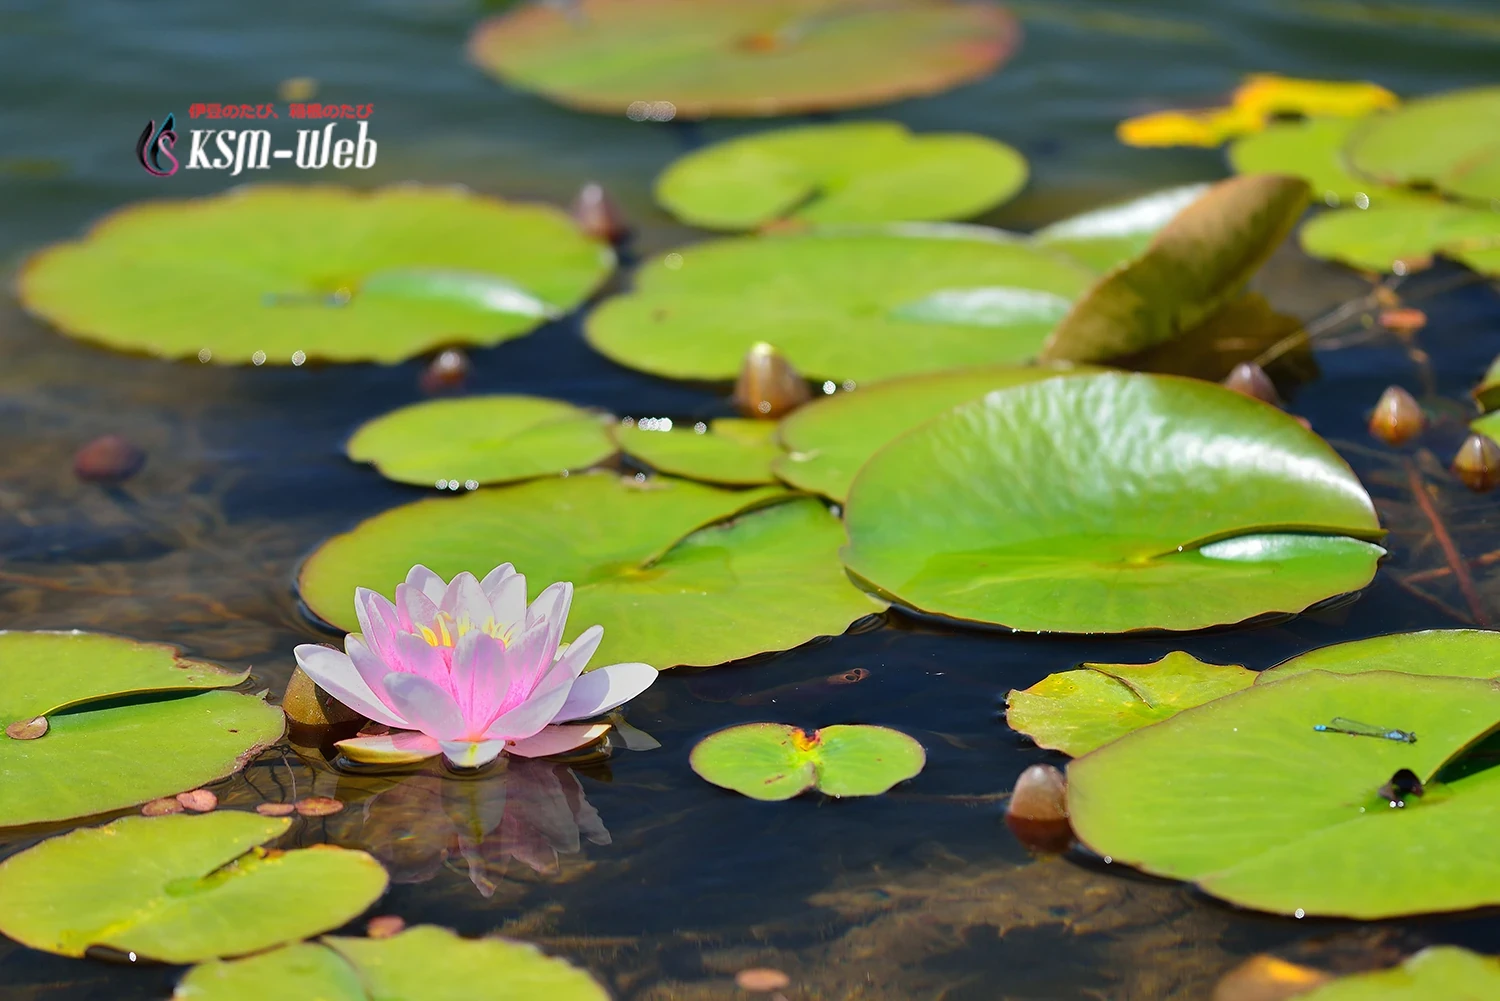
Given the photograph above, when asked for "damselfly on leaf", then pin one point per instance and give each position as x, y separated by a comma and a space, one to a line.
1354, 728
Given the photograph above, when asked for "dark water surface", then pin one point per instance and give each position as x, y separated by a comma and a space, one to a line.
672, 884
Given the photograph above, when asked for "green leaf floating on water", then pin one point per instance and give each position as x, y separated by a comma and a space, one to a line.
1313, 149
1106, 237
1078, 711
685, 58
995, 306
318, 272
841, 303
488, 439
1457, 653
773, 761
1107, 503
828, 440
1487, 393
1410, 231
1450, 141
180, 888
1196, 264
648, 561
131, 716
729, 450
1244, 798
1437, 973
844, 172
425, 962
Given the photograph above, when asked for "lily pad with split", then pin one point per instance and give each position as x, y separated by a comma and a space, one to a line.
729, 450
773, 761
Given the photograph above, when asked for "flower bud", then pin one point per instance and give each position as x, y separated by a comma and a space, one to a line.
1037, 813
1251, 380
1398, 418
597, 215
446, 373
110, 459
768, 385
1478, 463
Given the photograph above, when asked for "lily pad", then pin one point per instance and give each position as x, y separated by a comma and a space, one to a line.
180, 888
1450, 141
1457, 653
1409, 232
773, 761
1487, 393
1297, 823
1488, 425
1437, 973
1107, 503
1078, 711
115, 712
729, 450
484, 439
1312, 149
828, 440
742, 59
318, 272
425, 962
1198, 262
648, 563
1105, 237
839, 302
845, 172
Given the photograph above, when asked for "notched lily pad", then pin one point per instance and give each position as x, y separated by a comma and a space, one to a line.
773, 761
1078, 711
729, 450
1455, 653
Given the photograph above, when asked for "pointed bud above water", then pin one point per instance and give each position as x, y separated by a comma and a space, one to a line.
446, 373
768, 385
596, 213
1037, 813
110, 459
1398, 417
1249, 379
1478, 463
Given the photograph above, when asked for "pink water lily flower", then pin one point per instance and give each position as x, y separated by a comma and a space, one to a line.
467, 670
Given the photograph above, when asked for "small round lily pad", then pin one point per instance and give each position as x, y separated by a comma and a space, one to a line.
482, 440
729, 450
845, 172
773, 761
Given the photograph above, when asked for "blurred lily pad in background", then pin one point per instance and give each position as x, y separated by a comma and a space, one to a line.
1105, 237
1448, 141
1403, 237
773, 761
1437, 973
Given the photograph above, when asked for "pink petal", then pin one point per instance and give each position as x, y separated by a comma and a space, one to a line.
378, 621
482, 678
425, 706
556, 740
336, 674
472, 753
400, 748
414, 655
552, 605
529, 656
466, 603
506, 592
547, 698
605, 688
424, 580
371, 666
414, 607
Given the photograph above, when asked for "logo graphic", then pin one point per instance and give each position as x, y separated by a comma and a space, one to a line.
155, 144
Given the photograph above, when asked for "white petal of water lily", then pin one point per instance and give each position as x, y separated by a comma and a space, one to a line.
466, 602
336, 674
552, 605
429, 583
537, 711
605, 688
471, 753
379, 622
404, 747
481, 678
426, 706
415, 608
556, 740
506, 591
581, 649
372, 667
414, 655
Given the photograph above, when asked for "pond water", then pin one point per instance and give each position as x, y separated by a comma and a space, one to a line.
922, 893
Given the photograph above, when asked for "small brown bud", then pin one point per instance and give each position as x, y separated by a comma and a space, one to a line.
1037, 813
305, 703
1251, 380
768, 385
598, 216
385, 925
1398, 418
1403, 321
1478, 463
27, 729
446, 373
198, 800
318, 806
1266, 978
161, 807
110, 459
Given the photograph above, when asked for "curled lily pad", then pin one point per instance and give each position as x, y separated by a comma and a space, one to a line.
180, 888
1312, 149
1404, 236
829, 440
729, 450
1105, 237
644, 558
1078, 711
424, 962
841, 302
484, 439
1459, 653
1437, 973
1450, 141
700, 59
1195, 265
773, 761
354, 276
845, 172
1128, 502
1333, 844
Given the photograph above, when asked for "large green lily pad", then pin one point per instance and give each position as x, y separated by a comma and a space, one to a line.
1110, 502
1195, 265
840, 303
180, 888
1312, 149
844, 172
1409, 232
1437, 973
773, 761
1079, 711
133, 717
667, 589
1450, 141
744, 59
828, 440
318, 272
1458, 653
1243, 797
729, 450
1106, 237
484, 439
425, 963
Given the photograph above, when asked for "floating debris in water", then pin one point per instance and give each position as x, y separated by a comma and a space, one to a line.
1402, 786
27, 729
761, 980
1354, 728
1403, 321
275, 809
768, 385
446, 373
198, 800
597, 214
1266, 978
1478, 463
318, 806
385, 925
1249, 379
161, 807
1398, 417
108, 459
